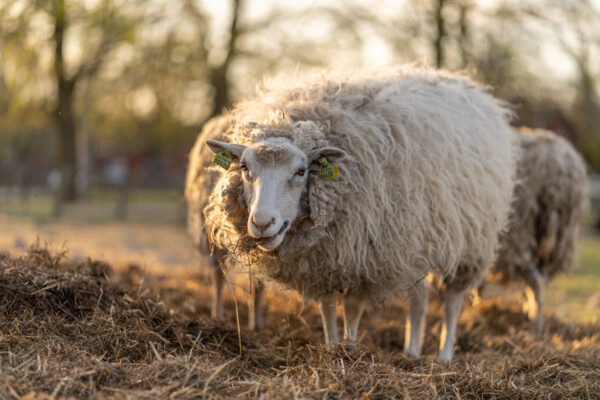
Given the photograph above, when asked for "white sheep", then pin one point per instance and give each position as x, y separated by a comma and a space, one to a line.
549, 203
200, 180
426, 165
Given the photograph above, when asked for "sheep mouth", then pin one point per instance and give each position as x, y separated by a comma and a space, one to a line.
268, 241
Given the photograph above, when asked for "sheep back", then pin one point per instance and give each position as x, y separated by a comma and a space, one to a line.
201, 178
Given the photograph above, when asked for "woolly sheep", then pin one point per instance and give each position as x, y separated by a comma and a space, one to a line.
199, 183
425, 165
549, 202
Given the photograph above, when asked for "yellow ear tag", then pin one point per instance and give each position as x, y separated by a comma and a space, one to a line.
222, 159
327, 171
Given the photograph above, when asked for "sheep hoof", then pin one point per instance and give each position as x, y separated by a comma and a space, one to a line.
444, 358
537, 329
350, 343
412, 353
256, 325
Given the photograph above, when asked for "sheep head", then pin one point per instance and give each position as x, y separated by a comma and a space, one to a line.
275, 176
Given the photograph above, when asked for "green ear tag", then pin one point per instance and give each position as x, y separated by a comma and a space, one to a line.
222, 159
327, 171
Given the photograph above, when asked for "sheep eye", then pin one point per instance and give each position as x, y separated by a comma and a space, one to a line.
301, 172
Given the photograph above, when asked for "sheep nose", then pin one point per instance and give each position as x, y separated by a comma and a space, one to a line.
262, 225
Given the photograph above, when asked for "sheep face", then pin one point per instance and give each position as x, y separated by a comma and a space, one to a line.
275, 175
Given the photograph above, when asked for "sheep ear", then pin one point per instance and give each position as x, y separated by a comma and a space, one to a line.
236, 150
334, 155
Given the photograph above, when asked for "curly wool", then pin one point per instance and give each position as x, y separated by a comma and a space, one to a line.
426, 187
550, 200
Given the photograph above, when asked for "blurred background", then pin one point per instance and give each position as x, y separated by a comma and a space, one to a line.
101, 100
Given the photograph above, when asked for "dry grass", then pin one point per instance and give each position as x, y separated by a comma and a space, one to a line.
81, 330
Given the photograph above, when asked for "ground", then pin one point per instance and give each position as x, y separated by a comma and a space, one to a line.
138, 326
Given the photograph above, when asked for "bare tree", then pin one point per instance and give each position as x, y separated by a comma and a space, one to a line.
294, 49
218, 73
438, 40
574, 26
112, 27
63, 113
464, 8
100, 27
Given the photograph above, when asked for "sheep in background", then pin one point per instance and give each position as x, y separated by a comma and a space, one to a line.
426, 164
200, 180
549, 202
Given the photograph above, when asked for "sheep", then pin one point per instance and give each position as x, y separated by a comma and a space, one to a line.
550, 199
199, 182
425, 162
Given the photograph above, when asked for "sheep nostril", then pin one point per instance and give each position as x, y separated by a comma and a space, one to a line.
262, 227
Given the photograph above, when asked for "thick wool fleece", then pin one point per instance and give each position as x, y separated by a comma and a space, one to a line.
550, 199
201, 179
426, 187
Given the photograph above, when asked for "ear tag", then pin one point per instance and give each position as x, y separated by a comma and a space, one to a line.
222, 159
327, 171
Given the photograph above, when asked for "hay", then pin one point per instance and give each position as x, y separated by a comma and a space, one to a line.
82, 331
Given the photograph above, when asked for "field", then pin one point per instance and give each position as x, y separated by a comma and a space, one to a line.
136, 325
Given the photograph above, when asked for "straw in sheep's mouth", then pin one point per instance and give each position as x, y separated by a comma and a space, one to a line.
270, 239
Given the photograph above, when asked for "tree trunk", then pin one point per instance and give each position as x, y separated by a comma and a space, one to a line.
67, 151
218, 80
218, 75
65, 122
438, 42
464, 33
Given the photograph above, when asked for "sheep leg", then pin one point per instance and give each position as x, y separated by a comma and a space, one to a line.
256, 317
478, 294
353, 309
536, 286
452, 308
418, 297
327, 305
217, 293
